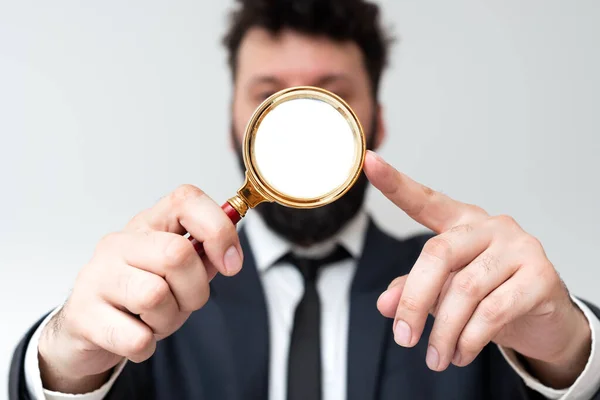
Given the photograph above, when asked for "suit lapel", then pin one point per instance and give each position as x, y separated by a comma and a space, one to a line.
242, 303
383, 259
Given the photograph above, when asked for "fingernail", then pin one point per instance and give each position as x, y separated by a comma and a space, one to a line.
456, 358
232, 260
402, 333
376, 156
381, 296
433, 358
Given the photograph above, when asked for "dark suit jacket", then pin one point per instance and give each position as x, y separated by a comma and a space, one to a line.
222, 351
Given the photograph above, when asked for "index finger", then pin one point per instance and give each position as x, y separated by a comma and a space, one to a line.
188, 209
432, 209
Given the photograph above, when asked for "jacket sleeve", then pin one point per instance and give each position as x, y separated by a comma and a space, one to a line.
17, 386
596, 312
133, 383
531, 394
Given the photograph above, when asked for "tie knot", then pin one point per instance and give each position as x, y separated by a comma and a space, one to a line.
309, 267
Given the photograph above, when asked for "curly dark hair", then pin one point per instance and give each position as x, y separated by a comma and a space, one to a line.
341, 20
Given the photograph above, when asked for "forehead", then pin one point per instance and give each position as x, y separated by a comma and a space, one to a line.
296, 58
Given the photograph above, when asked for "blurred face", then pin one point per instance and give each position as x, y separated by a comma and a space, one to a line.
267, 64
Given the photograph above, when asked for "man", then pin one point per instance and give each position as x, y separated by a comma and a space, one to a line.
257, 317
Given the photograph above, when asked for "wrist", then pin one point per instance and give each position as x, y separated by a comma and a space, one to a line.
57, 366
563, 369
580, 343
56, 381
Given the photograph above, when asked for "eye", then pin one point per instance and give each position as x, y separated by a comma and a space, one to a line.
344, 93
265, 95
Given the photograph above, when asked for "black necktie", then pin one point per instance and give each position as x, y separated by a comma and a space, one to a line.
304, 362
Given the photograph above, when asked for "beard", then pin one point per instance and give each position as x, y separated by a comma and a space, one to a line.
305, 227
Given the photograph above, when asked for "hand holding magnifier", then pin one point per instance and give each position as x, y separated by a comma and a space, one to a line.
303, 147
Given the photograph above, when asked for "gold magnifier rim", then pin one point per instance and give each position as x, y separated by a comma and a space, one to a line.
257, 180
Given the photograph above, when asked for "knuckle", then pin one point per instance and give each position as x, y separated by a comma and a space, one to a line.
506, 221
154, 293
409, 303
184, 193
124, 285
474, 209
110, 334
140, 220
531, 243
463, 228
204, 295
469, 344
228, 230
396, 282
438, 339
491, 312
177, 252
488, 262
109, 242
221, 231
438, 247
494, 309
467, 285
141, 342
199, 300
416, 209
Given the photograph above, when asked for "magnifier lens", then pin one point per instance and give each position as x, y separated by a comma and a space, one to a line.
305, 148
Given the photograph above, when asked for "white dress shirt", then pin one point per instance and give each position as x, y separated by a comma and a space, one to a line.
283, 286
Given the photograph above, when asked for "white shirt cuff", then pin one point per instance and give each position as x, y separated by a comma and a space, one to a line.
33, 377
586, 385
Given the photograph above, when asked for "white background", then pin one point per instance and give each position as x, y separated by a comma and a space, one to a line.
107, 106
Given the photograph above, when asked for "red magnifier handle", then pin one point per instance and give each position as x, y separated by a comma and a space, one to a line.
233, 215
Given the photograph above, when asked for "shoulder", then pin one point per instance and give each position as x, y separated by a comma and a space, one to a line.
17, 385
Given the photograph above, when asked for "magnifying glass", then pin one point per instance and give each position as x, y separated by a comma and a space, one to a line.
304, 147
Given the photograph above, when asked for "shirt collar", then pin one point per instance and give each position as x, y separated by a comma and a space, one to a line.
268, 247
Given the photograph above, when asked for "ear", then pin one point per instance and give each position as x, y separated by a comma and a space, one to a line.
232, 146
231, 140
380, 132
